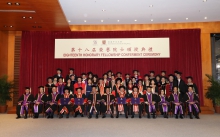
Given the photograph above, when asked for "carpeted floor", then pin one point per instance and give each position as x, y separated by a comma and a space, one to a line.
207, 126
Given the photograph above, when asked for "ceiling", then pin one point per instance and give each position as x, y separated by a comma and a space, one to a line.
95, 12
61, 15
32, 15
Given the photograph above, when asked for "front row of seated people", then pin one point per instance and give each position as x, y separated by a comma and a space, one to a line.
105, 104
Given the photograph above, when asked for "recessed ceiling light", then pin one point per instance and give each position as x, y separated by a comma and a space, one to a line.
103, 9
204, 0
151, 20
151, 6
169, 19
102, 20
30, 17
205, 18
69, 21
9, 3
84, 20
23, 17
5, 26
118, 20
135, 20
17, 3
11, 26
187, 18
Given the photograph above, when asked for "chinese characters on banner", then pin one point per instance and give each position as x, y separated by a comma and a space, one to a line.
113, 48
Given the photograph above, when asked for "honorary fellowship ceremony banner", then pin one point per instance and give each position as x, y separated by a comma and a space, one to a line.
112, 48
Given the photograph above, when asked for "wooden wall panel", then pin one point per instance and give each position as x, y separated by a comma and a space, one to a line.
3, 52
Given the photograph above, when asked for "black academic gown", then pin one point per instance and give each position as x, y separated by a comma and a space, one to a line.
40, 106
104, 103
195, 89
195, 99
160, 105
124, 105
20, 100
181, 101
96, 103
181, 85
54, 106
154, 98
49, 88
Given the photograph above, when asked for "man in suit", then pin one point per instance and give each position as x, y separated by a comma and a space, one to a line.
180, 84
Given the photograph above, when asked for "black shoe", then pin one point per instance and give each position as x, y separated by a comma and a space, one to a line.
103, 116
126, 116
190, 117
197, 117
132, 116
48, 116
18, 117
25, 117
176, 116
181, 116
117, 116
97, 116
51, 116
148, 116
112, 116
75, 115
154, 116
139, 116
61, 116
82, 115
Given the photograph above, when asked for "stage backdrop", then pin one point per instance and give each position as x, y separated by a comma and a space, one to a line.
38, 62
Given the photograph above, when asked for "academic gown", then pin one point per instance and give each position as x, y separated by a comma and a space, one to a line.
180, 100
195, 89
195, 108
154, 98
93, 104
124, 105
49, 88
52, 99
20, 109
42, 98
181, 85
137, 107
79, 109
161, 100
107, 103
65, 108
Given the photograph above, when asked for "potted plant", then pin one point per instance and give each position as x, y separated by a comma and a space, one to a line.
213, 92
5, 92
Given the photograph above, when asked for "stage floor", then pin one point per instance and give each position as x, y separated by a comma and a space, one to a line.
208, 125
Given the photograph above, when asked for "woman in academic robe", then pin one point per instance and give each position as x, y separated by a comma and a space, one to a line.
39, 101
163, 84
52, 101
164, 104
191, 84
158, 81
79, 84
136, 75
60, 85
69, 85
112, 82
55, 81
136, 107
129, 87
115, 90
109, 73
90, 75
152, 77
146, 82
79, 109
105, 79
23, 103
95, 80
141, 87
154, 88
134, 82
49, 85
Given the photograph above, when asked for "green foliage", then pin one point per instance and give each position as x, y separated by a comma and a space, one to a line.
5, 89
213, 91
